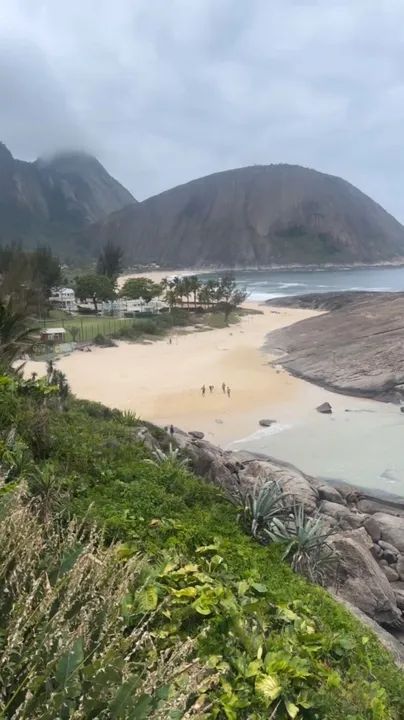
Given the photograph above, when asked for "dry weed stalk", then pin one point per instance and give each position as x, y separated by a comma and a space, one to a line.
66, 649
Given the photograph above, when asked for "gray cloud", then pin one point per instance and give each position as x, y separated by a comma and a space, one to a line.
170, 90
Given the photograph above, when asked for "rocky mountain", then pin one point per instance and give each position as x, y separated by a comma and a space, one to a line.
256, 216
50, 199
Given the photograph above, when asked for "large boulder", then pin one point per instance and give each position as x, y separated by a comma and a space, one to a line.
330, 493
373, 529
392, 529
345, 517
209, 462
299, 488
400, 567
361, 581
325, 408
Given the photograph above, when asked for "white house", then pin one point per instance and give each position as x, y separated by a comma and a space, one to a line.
64, 299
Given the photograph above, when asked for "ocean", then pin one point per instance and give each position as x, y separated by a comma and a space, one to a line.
266, 284
362, 441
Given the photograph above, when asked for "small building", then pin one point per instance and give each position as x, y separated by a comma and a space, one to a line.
64, 299
53, 335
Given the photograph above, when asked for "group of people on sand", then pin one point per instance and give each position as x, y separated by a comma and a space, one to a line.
225, 389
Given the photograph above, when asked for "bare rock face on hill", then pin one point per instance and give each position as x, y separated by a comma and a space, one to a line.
257, 216
356, 350
48, 200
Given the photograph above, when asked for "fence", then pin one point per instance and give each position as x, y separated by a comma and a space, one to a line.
88, 328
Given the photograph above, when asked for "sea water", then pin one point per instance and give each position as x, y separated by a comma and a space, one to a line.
362, 442
267, 284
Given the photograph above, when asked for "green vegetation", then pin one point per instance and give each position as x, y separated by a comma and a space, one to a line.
89, 618
136, 288
97, 288
110, 261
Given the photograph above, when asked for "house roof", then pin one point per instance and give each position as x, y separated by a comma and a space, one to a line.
52, 331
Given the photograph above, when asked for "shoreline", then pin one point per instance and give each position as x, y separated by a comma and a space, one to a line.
161, 381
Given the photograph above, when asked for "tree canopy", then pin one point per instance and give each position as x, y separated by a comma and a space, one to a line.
141, 287
110, 260
98, 288
46, 269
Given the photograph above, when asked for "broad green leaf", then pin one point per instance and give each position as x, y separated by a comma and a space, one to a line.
242, 587
185, 592
207, 548
147, 599
69, 663
169, 568
142, 708
333, 679
118, 705
259, 587
269, 687
291, 709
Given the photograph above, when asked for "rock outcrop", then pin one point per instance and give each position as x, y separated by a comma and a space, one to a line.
355, 350
256, 216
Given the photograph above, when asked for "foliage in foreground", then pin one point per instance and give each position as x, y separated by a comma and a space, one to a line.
76, 628
267, 643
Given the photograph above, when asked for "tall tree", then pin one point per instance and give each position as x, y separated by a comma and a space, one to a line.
141, 287
46, 269
98, 288
194, 285
110, 261
229, 296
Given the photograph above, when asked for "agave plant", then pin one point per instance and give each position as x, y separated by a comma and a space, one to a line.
260, 507
306, 543
45, 489
171, 457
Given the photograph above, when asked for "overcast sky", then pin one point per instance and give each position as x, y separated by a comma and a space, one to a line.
164, 91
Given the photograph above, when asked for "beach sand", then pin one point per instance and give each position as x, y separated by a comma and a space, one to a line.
161, 381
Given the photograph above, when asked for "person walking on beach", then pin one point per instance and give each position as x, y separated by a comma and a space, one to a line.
203, 390
224, 387
228, 391
211, 388
171, 430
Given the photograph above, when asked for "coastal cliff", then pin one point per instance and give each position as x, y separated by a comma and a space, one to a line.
355, 347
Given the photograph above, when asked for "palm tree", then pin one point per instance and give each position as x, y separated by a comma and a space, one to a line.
187, 288
205, 296
178, 288
16, 334
194, 284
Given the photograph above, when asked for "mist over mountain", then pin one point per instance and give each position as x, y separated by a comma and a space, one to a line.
53, 198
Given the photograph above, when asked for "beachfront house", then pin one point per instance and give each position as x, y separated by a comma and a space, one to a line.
63, 299
53, 336
120, 307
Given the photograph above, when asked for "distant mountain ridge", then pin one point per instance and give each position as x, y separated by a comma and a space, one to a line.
255, 217
52, 198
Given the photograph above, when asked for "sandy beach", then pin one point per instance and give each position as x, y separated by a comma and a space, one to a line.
162, 382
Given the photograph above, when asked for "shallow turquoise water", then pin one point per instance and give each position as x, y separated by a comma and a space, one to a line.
364, 447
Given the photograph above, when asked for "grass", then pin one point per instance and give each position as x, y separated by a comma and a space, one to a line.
89, 325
